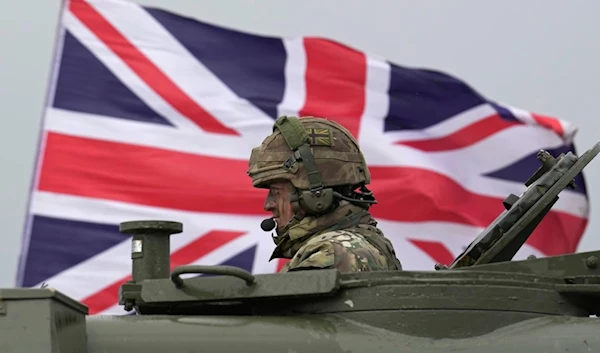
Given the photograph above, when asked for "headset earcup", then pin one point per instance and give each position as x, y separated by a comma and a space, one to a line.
316, 203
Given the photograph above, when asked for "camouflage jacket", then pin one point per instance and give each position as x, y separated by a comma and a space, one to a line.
347, 239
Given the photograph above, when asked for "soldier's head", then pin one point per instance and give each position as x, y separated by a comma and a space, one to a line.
309, 165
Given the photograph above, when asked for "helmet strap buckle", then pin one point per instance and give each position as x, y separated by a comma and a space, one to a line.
291, 164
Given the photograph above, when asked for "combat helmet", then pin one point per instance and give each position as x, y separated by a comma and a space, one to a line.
321, 159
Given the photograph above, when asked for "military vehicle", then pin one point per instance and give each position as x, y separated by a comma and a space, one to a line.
483, 301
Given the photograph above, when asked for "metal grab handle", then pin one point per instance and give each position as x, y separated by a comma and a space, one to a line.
212, 270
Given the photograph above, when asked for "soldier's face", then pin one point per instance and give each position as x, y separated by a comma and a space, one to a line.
278, 203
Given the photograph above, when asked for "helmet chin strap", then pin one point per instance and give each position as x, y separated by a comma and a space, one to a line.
276, 238
296, 207
319, 199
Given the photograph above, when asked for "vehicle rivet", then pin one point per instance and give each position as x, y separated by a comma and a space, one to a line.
592, 262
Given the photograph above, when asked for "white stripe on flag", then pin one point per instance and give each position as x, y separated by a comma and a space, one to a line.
147, 34
294, 96
150, 135
377, 103
125, 74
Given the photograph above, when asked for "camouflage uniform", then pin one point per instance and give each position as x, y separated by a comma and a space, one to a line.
336, 232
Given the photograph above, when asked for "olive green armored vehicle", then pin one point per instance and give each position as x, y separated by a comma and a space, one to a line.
481, 302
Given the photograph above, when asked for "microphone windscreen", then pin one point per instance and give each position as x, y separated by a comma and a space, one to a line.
268, 224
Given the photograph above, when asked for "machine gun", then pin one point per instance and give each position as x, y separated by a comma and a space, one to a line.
501, 240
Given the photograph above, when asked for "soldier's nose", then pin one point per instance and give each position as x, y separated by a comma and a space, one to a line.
269, 203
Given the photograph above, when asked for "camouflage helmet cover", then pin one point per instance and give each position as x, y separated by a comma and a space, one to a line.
336, 154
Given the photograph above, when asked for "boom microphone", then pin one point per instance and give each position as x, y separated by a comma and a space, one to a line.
268, 224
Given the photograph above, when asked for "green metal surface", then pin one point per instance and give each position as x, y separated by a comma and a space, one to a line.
330, 334
41, 321
150, 247
222, 288
579, 264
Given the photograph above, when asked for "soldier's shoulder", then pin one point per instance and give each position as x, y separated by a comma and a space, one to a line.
347, 250
326, 250
338, 236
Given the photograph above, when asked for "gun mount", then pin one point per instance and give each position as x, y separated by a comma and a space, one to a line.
483, 300
501, 240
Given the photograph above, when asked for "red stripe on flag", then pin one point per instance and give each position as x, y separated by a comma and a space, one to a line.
148, 176
145, 69
281, 263
551, 123
436, 250
335, 88
157, 177
464, 137
109, 295
419, 195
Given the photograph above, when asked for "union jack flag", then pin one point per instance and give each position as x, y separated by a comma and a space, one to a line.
152, 115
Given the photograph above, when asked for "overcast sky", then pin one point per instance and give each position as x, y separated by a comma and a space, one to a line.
538, 55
